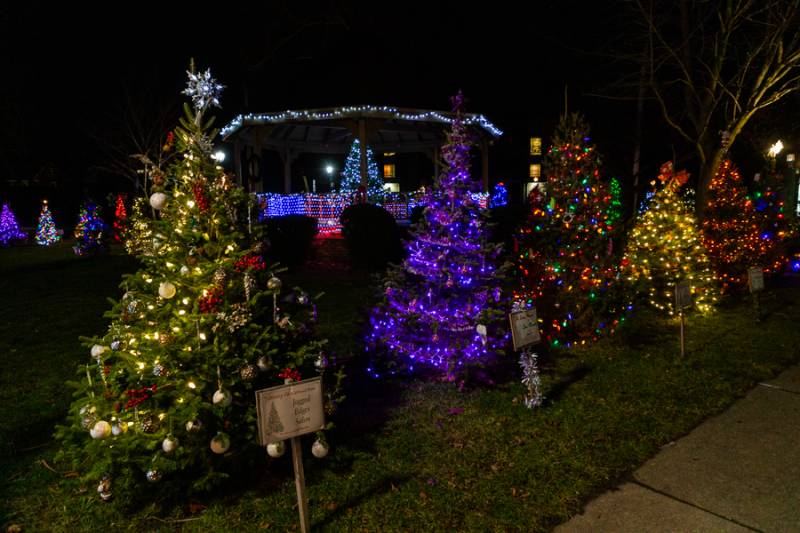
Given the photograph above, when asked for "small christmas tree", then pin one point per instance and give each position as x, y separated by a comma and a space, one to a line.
736, 233
140, 237
566, 263
120, 220
9, 227
167, 395
46, 232
615, 205
351, 175
443, 307
665, 247
91, 232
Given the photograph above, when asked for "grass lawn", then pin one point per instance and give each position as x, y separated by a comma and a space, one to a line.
405, 455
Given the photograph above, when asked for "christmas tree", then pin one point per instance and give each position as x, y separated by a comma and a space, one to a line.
736, 233
168, 394
120, 220
615, 204
139, 239
351, 175
566, 263
91, 232
9, 227
46, 232
443, 307
665, 247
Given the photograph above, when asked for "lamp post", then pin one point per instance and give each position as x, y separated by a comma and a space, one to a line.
329, 171
773, 152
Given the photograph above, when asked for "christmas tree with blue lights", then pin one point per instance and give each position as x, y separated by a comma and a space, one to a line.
91, 232
351, 175
443, 308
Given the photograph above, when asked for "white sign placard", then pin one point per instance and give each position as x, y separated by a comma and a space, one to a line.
289, 410
524, 328
683, 295
755, 277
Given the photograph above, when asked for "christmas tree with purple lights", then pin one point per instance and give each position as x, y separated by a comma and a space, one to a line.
443, 307
9, 228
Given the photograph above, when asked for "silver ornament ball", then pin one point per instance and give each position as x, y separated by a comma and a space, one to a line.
276, 449
153, 476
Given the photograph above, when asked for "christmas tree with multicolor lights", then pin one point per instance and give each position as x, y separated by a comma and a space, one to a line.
665, 248
9, 227
46, 232
736, 234
91, 232
566, 263
120, 220
351, 175
164, 401
443, 308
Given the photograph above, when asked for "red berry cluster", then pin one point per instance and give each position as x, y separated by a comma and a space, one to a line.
138, 396
290, 373
250, 262
211, 301
200, 196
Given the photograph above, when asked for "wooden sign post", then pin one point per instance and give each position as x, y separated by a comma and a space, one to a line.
755, 280
287, 412
683, 299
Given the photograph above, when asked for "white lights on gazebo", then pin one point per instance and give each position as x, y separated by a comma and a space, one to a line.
340, 112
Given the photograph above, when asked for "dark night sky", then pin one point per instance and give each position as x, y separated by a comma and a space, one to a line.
68, 68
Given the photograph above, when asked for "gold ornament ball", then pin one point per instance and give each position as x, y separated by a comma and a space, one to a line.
220, 444
274, 284
166, 290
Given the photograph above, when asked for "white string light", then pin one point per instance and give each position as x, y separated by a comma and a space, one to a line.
341, 112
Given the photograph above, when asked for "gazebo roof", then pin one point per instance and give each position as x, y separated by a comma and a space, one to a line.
330, 130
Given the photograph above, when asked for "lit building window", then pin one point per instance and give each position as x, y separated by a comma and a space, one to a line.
536, 146
535, 171
389, 154
389, 171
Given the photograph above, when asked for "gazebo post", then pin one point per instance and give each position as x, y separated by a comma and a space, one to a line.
237, 160
287, 170
362, 139
485, 165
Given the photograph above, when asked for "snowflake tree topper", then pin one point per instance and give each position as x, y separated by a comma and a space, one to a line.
203, 89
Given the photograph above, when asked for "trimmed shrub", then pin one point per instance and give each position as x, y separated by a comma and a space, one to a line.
290, 238
372, 236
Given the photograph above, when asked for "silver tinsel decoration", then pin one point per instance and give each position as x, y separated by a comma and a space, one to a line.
530, 378
249, 283
238, 316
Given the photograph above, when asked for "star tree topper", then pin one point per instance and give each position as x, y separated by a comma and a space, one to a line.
203, 90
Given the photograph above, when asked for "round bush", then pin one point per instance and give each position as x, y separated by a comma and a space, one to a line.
372, 236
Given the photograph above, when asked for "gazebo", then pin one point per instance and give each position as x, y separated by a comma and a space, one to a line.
332, 130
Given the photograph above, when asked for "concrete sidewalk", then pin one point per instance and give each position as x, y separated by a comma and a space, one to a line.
739, 471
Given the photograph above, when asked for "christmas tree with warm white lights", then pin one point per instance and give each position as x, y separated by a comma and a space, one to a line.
665, 248
443, 308
167, 397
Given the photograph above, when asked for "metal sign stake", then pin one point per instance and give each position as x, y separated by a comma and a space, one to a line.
683, 343
300, 484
